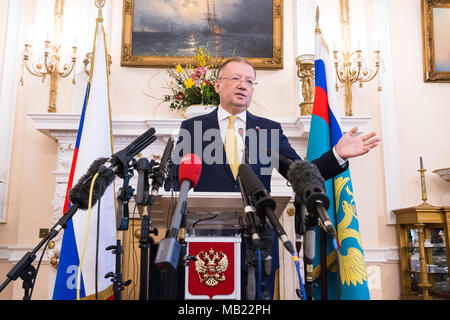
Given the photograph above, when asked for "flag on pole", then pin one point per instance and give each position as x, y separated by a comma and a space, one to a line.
82, 246
325, 132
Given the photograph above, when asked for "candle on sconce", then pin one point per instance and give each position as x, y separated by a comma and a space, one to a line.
305, 23
74, 40
299, 28
421, 163
28, 37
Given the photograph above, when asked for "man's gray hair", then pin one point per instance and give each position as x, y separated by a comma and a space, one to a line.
234, 59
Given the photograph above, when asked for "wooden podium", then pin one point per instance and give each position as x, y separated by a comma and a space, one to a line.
213, 237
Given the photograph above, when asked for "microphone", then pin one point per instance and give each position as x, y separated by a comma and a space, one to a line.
249, 214
308, 185
160, 172
169, 249
143, 167
119, 160
263, 203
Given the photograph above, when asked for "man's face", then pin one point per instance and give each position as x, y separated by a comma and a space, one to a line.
233, 87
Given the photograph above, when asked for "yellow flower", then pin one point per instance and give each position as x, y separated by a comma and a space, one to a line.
189, 83
179, 69
202, 58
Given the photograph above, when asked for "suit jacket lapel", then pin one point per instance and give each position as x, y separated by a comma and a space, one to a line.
211, 121
251, 125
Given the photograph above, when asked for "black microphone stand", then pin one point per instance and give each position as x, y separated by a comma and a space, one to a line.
122, 221
260, 256
158, 173
311, 222
118, 284
144, 168
301, 242
249, 229
24, 268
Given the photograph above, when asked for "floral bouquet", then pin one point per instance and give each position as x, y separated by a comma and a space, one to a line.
193, 84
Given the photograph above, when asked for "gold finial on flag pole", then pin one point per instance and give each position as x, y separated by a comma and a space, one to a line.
317, 20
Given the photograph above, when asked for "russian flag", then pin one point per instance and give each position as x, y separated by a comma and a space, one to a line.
83, 260
325, 132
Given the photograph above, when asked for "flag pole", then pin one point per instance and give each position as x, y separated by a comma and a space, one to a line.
124, 193
323, 246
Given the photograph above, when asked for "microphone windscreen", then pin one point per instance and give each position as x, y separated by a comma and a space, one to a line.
302, 175
249, 179
190, 169
80, 192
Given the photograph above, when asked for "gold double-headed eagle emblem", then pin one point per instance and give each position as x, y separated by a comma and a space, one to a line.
210, 267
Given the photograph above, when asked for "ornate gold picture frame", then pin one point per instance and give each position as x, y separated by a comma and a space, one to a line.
436, 40
160, 38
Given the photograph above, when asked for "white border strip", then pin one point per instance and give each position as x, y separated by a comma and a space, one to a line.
8, 89
392, 169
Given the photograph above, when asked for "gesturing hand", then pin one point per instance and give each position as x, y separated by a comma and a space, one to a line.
350, 146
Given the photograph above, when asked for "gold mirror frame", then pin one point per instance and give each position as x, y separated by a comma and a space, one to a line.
428, 41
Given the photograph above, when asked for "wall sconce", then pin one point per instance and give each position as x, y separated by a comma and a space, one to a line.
349, 65
49, 64
350, 69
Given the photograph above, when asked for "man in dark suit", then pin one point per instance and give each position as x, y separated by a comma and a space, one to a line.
261, 134
222, 137
205, 136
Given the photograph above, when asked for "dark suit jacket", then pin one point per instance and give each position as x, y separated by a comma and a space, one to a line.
217, 177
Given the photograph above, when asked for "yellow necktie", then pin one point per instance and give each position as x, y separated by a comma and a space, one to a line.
231, 147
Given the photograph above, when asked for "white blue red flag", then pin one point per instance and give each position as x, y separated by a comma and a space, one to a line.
86, 238
325, 132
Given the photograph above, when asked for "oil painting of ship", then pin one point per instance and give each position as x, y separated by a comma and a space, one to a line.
176, 28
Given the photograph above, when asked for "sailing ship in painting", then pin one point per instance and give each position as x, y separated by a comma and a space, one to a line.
213, 26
